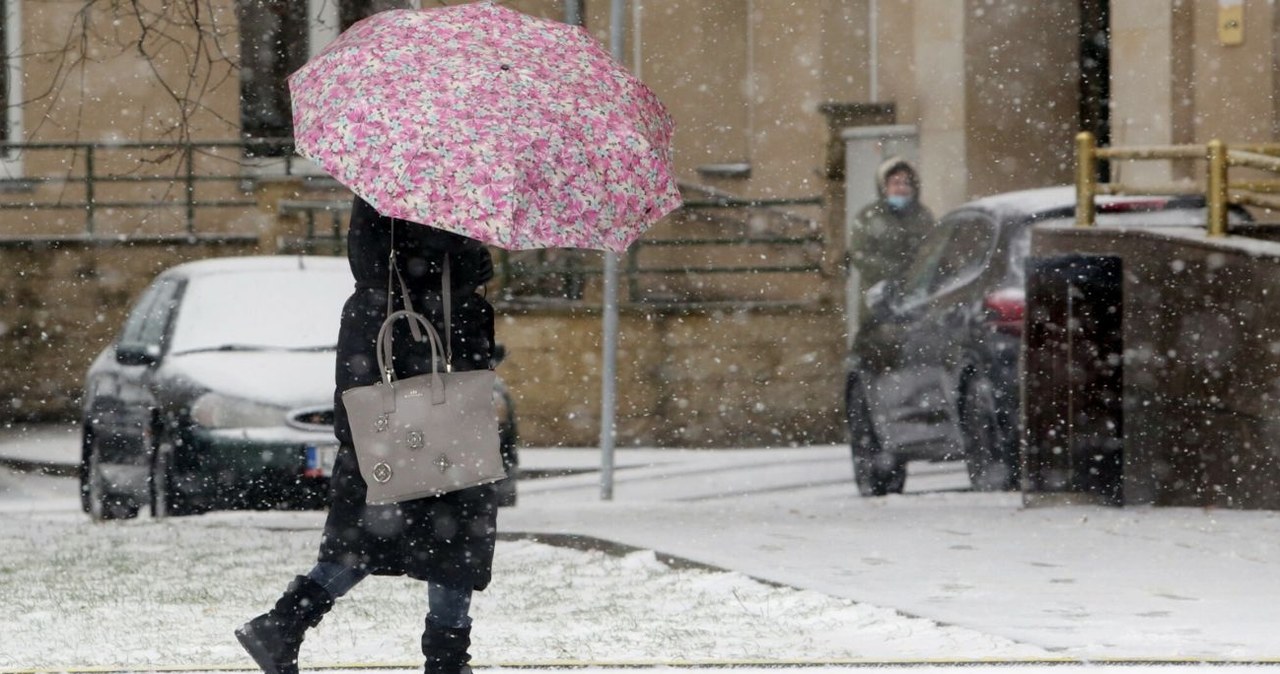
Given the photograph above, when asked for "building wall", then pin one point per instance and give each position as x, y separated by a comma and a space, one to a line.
1021, 97
989, 85
1152, 72
115, 94
685, 378
1232, 86
940, 92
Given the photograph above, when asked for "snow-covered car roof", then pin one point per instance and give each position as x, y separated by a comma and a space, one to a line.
276, 301
257, 263
1060, 201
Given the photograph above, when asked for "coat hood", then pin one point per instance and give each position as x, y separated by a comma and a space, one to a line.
893, 165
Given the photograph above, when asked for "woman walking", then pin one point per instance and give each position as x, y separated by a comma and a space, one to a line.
446, 540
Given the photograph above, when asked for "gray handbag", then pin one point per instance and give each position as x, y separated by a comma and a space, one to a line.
424, 435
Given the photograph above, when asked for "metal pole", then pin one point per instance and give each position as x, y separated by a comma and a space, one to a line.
1217, 188
573, 12
873, 49
88, 190
190, 186
1086, 178
609, 365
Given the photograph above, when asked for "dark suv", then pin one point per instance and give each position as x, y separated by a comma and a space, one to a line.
933, 372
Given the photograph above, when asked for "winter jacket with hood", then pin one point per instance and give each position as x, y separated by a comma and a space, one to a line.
447, 539
885, 239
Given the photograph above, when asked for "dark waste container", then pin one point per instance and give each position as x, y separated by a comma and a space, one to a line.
1073, 381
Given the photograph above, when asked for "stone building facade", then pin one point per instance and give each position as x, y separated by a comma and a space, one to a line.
760, 90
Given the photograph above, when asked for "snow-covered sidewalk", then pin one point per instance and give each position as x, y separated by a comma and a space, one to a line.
939, 575
1082, 582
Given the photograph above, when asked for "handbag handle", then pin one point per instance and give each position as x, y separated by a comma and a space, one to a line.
446, 298
384, 346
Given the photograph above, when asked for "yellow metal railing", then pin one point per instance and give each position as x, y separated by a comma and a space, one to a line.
1219, 192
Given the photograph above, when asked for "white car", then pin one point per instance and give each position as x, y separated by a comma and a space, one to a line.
218, 392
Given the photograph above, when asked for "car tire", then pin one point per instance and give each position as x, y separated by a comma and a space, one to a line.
167, 499
876, 472
989, 453
97, 500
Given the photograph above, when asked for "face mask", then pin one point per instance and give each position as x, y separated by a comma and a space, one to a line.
897, 202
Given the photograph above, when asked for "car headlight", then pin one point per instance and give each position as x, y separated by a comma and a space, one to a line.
214, 410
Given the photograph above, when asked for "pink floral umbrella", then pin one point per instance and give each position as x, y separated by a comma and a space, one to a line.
478, 119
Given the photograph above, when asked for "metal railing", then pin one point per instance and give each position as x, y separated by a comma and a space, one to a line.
79, 176
656, 268
1219, 191
716, 250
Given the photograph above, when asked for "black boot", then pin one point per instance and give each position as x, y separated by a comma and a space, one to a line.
274, 637
446, 649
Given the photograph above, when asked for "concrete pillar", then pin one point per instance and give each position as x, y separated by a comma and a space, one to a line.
939, 32
1150, 83
277, 227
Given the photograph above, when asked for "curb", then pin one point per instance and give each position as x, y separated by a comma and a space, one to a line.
40, 467
1066, 663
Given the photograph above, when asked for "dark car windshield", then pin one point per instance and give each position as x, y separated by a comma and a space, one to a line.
958, 248
261, 310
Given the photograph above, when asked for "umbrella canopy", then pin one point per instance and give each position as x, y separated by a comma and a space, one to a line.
478, 119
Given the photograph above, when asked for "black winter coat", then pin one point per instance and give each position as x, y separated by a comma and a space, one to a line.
447, 539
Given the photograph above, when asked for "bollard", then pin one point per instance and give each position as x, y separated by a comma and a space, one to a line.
1086, 178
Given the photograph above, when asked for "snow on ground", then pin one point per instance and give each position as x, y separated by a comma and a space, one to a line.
929, 579
150, 593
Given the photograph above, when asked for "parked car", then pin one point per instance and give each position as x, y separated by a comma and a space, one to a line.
218, 392
933, 371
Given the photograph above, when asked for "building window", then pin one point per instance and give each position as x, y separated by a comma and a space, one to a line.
276, 38
273, 44
351, 11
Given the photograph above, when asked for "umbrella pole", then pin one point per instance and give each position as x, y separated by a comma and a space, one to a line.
609, 366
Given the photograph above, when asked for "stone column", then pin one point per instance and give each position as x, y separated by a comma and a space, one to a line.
939, 32
1150, 84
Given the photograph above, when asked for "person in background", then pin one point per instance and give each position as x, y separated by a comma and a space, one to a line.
888, 231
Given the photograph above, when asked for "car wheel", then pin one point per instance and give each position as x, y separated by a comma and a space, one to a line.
99, 502
167, 499
876, 472
990, 459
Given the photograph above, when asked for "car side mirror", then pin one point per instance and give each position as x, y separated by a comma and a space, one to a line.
882, 296
877, 295
137, 354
